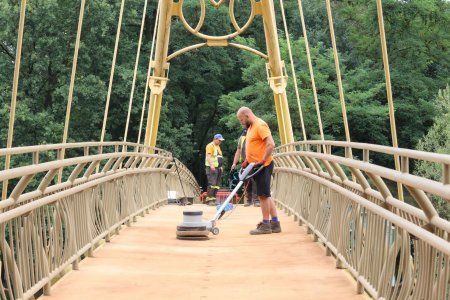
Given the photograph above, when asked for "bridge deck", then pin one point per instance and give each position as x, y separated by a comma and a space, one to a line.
146, 261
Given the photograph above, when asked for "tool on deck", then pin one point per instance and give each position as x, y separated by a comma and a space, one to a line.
194, 228
184, 200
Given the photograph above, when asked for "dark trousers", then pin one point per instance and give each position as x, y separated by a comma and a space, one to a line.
214, 178
250, 191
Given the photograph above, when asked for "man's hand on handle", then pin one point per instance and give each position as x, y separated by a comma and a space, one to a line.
244, 164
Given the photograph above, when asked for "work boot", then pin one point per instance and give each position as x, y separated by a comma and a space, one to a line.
210, 201
275, 226
261, 228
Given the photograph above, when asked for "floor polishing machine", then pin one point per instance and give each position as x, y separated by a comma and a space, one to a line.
195, 228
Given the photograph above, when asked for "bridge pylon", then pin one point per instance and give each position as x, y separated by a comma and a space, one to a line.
159, 73
276, 71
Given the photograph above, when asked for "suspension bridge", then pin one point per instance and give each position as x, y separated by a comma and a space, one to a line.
91, 220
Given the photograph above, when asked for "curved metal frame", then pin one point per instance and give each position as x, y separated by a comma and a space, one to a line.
201, 45
277, 77
215, 41
197, 29
385, 243
48, 226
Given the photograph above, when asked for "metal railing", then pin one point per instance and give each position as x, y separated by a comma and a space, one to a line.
393, 249
46, 225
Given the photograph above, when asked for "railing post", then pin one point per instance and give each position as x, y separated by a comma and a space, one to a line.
75, 265
348, 152
36, 158
404, 164
359, 288
366, 155
47, 289
339, 264
316, 237
446, 174
59, 154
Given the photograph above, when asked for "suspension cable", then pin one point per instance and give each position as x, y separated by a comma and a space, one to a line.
12, 112
293, 69
135, 72
72, 83
387, 75
338, 71
311, 71
149, 72
113, 65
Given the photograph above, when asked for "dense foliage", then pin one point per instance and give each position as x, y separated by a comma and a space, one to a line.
437, 140
208, 85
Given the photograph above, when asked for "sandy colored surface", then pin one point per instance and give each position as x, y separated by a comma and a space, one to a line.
146, 261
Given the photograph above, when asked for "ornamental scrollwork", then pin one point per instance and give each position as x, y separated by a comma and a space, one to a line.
254, 11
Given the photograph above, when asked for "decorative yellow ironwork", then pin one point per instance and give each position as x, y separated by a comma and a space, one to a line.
276, 70
178, 11
216, 4
277, 83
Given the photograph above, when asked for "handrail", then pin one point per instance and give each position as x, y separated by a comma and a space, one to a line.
414, 154
46, 225
425, 184
55, 147
383, 242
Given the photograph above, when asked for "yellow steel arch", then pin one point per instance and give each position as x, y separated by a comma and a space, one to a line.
276, 72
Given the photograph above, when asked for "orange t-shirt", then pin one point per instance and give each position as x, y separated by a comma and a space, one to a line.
255, 145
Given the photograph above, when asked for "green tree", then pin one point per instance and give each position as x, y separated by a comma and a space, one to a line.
418, 46
207, 85
368, 118
437, 140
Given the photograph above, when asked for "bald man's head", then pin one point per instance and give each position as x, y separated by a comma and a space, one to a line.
245, 116
244, 111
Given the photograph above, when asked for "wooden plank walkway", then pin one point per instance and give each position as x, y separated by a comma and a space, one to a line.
146, 261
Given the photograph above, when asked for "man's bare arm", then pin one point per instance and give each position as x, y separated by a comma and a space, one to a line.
237, 155
270, 145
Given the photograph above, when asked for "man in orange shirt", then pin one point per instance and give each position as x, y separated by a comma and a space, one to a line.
259, 148
249, 185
